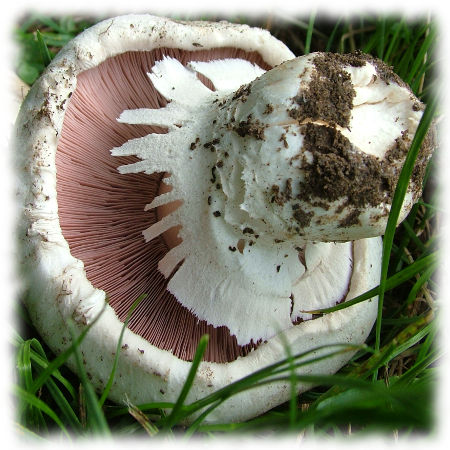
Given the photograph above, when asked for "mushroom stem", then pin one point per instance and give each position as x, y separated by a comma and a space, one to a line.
309, 151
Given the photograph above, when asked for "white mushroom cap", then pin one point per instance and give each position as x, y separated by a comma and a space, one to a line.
256, 291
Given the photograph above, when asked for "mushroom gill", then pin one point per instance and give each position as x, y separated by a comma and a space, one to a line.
102, 212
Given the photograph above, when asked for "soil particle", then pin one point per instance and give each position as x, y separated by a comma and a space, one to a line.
193, 145
269, 109
351, 219
319, 204
284, 140
399, 149
302, 218
249, 127
280, 197
242, 93
211, 145
297, 321
288, 189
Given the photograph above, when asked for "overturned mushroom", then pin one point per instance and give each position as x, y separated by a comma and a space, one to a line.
173, 159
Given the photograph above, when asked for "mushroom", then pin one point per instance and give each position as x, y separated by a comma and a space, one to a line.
237, 186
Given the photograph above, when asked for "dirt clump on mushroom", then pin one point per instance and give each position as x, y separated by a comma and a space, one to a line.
249, 127
428, 145
303, 218
329, 96
339, 170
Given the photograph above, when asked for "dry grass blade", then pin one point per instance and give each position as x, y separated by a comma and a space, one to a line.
142, 419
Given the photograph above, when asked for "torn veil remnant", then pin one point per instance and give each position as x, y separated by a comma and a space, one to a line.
236, 195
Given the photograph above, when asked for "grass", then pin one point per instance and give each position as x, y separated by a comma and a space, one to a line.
387, 387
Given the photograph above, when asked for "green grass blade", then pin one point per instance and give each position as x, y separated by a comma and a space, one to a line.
32, 415
45, 53
24, 365
63, 405
397, 202
40, 358
173, 418
48, 22
292, 381
420, 57
424, 278
416, 85
412, 236
275, 373
410, 335
31, 399
309, 32
96, 418
56, 40
333, 35
427, 344
263, 375
418, 368
405, 62
381, 37
394, 39
293, 386
62, 357
371, 43
427, 262
53, 389
388, 406
118, 349
198, 421
404, 340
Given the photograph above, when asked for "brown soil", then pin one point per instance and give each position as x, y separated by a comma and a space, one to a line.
338, 170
